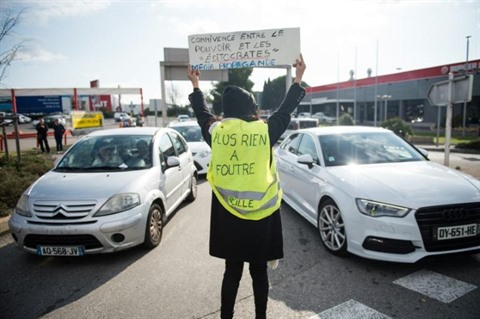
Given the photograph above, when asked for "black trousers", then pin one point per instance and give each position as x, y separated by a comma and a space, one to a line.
58, 141
42, 140
231, 281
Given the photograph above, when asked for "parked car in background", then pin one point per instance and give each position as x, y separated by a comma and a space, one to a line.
304, 114
121, 116
201, 151
183, 117
50, 119
21, 118
372, 194
112, 190
322, 118
129, 122
299, 123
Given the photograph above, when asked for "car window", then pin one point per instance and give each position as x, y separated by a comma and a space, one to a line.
291, 143
308, 124
178, 143
108, 152
366, 148
307, 146
166, 150
190, 133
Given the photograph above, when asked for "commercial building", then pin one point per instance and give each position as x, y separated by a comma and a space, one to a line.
373, 99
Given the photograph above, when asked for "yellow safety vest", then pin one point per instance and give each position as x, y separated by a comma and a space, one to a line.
241, 173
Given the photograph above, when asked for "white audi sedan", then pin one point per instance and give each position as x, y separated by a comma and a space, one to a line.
192, 133
372, 194
112, 190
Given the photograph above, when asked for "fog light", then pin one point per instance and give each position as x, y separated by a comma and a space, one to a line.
118, 238
387, 245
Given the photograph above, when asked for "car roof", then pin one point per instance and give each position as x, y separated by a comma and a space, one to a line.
130, 131
326, 130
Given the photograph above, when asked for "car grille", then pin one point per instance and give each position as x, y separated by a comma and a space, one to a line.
70, 210
428, 218
88, 241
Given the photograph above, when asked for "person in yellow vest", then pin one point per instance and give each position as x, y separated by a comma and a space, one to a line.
245, 224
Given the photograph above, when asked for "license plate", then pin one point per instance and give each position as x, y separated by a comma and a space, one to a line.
460, 231
60, 250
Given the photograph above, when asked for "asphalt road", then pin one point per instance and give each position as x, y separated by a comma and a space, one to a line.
179, 279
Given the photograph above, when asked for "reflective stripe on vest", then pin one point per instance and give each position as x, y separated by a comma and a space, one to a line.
239, 173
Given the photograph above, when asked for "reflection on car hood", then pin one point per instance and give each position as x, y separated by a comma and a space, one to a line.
413, 185
85, 185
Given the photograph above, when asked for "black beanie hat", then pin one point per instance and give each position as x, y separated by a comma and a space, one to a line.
238, 102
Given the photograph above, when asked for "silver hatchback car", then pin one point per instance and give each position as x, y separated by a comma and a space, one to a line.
112, 190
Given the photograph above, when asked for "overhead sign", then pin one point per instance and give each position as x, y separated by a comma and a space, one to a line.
462, 88
244, 49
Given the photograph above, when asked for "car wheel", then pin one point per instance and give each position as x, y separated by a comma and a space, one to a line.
332, 229
154, 228
193, 189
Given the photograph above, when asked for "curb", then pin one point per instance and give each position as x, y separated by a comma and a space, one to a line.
4, 225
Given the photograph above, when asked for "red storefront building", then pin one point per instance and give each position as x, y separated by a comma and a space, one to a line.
372, 100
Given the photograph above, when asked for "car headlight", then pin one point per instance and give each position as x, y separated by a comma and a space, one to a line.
119, 203
22, 206
377, 209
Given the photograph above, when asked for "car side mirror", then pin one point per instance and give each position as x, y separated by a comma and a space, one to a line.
172, 161
306, 159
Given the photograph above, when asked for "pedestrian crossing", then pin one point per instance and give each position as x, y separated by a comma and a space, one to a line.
425, 282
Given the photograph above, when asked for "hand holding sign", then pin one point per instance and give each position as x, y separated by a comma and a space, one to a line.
193, 76
300, 67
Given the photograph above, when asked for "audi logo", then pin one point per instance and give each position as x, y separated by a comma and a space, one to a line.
454, 214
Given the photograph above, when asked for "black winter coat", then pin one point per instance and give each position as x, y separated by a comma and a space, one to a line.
232, 237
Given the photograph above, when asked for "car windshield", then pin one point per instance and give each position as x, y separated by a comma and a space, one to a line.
366, 148
108, 153
190, 133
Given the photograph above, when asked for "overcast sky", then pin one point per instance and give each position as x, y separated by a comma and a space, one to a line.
70, 43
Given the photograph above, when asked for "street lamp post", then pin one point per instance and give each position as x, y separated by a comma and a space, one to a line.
465, 103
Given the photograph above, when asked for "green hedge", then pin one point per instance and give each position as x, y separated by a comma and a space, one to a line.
16, 178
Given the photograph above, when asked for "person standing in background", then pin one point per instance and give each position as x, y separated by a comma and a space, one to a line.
58, 131
245, 223
42, 130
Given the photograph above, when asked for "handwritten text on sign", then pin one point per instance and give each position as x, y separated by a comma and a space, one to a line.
244, 49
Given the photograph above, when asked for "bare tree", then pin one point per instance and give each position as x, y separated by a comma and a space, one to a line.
173, 94
8, 23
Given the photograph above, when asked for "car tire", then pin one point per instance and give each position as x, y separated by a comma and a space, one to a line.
193, 189
332, 228
154, 227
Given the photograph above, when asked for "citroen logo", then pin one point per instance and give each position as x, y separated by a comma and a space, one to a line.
60, 209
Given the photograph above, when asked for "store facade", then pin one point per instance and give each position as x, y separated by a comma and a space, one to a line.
372, 100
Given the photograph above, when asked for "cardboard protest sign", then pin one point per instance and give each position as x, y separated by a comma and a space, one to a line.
244, 49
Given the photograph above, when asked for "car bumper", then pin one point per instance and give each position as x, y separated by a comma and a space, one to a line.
397, 240
97, 235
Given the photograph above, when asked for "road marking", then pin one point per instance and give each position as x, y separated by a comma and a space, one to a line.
352, 310
435, 285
